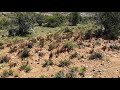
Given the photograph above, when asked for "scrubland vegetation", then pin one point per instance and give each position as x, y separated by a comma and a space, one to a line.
38, 45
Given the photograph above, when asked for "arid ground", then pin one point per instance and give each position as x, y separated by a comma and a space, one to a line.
55, 53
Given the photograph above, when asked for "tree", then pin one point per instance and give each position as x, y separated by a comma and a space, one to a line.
21, 23
111, 23
55, 20
74, 18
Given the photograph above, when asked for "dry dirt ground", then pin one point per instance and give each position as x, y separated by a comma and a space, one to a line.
107, 67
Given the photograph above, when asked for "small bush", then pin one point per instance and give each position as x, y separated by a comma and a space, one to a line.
12, 65
74, 55
25, 53
82, 70
111, 23
5, 59
54, 21
13, 32
40, 19
30, 45
53, 46
68, 46
114, 47
42, 42
21, 24
7, 73
111, 36
60, 74
98, 33
97, 42
33, 40
72, 72
47, 63
74, 18
66, 30
64, 63
88, 34
13, 49
41, 54
26, 67
4, 22
2, 47
1, 43
96, 55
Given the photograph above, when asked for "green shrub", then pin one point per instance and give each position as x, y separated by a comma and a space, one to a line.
1, 43
40, 19
64, 63
74, 18
60, 74
47, 63
88, 34
4, 22
82, 70
54, 21
41, 42
96, 55
13, 49
7, 73
26, 67
21, 24
74, 55
53, 46
30, 45
72, 72
25, 53
5, 59
111, 23
66, 30
69, 46
98, 33
114, 47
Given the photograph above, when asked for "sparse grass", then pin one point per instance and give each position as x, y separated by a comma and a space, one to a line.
60, 74
7, 73
26, 67
95, 56
25, 53
47, 63
64, 63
